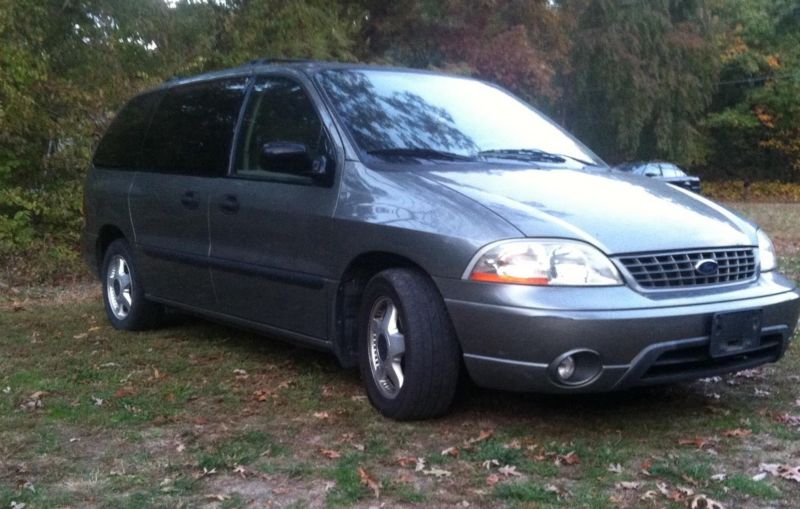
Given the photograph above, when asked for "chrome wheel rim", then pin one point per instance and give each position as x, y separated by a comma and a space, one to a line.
119, 287
387, 347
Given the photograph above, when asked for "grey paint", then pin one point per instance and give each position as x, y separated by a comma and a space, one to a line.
275, 265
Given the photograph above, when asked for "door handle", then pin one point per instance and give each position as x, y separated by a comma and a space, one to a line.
230, 204
189, 201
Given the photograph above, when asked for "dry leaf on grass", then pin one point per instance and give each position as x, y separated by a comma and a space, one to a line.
450, 451
738, 432
699, 442
509, 471
703, 502
568, 459
628, 485
406, 461
321, 415
437, 472
488, 464
330, 454
370, 482
784, 471
786, 418
484, 435
492, 479
615, 468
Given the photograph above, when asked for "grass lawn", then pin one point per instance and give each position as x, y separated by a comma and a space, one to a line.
201, 415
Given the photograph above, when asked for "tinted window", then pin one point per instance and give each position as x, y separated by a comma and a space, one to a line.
405, 110
279, 111
122, 143
670, 170
652, 170
192, 129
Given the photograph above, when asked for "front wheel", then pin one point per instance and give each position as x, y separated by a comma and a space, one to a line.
123, 295
408, 352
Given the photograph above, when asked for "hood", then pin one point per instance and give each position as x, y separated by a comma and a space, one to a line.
616, 212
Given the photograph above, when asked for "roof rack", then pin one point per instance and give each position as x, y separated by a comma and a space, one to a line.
269, 60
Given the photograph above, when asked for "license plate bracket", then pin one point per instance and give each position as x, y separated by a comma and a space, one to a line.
735, 332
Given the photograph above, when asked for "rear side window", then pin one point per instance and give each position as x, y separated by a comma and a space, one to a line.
192, 129
122, 143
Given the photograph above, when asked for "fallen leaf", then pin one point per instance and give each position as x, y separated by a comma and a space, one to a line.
450, 451
703, 502
97, 401
330, 454
370, 482
484, 435
419, 465
738, 432
238, 469
615, 468
760, 393
784, 471
759, 476
321, 415
719, 477
628, 485
82, 335
649, 496
437, 472
786, 418
406, 461
218, 497
663, 488
488, 464
492, 479
509, 471
699, 442
261, 395
568, 459
124, 392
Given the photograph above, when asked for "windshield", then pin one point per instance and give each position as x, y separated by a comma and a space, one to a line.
390, 110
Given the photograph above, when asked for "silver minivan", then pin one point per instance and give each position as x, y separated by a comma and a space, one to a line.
423, 227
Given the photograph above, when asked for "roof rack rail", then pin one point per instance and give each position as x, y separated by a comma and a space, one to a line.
270, 60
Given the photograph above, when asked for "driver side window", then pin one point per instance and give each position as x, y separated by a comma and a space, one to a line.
279, 111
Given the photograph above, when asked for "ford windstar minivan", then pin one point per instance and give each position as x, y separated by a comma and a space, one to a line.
421, 226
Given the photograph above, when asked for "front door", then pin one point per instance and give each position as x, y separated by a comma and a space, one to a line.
270, 229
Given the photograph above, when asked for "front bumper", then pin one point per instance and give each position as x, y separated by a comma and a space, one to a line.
512, 335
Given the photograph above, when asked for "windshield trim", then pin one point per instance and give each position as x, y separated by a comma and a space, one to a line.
364, 157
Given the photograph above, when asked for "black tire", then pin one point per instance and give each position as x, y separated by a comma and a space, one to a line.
138, 313
431, 358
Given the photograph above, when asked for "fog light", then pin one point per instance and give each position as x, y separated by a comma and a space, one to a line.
576, 368
566, 368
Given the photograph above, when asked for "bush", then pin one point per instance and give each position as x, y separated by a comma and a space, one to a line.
735, 190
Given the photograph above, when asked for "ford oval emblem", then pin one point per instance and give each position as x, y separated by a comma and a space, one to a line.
706, 267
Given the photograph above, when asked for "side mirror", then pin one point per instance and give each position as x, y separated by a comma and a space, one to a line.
291, 158
650, 174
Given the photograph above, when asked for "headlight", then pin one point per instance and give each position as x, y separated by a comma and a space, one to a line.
766, 252
543, 263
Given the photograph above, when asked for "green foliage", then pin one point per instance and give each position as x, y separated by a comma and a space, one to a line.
711, 84
644, 72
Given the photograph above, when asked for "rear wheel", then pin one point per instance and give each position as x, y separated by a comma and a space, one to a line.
408, 353
123, 295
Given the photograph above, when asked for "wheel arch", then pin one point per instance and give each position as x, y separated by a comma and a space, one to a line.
347, 301
108, 233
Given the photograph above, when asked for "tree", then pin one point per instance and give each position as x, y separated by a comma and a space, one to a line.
644, 74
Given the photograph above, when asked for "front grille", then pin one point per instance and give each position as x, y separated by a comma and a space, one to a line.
696, 360
677, 269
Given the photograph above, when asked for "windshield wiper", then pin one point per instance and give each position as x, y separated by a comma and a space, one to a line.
419, 153
531, 154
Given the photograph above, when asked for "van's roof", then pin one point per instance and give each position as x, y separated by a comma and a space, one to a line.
271, 64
